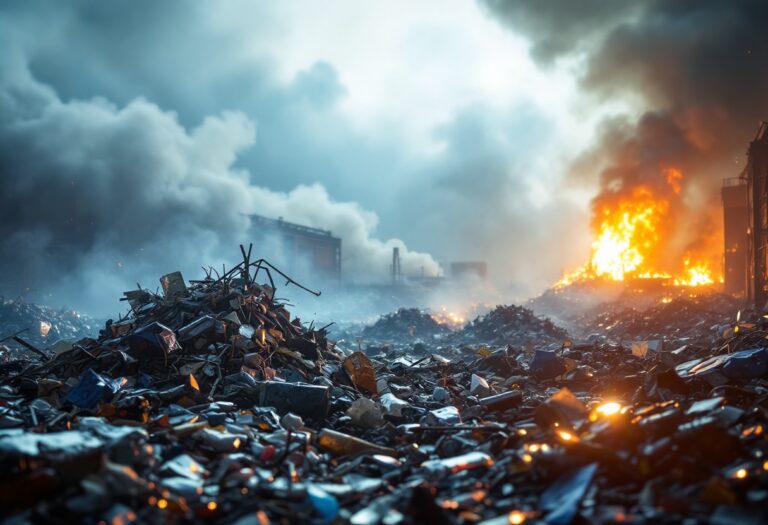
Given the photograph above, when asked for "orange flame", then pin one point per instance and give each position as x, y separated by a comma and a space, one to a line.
629, 233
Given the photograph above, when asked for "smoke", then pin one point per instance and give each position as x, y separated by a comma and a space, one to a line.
97, 196
692, 72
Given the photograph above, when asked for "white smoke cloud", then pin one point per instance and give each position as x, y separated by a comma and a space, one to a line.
97, 196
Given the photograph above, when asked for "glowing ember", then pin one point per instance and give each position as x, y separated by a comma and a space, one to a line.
630, 231
516, 517
567, 436
608, 409
740, 474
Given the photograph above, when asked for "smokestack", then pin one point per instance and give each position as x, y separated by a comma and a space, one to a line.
396, 271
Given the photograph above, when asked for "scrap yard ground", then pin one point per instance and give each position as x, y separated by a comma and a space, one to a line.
211, 403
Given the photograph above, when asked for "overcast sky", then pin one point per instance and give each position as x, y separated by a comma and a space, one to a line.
136, 136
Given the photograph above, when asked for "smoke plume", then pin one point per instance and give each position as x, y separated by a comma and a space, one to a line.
97, 196
692, 72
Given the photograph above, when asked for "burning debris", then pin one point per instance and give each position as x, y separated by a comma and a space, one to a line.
210, 403
634, 230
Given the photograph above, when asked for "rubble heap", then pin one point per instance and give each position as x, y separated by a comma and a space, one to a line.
681, 318
211, 404
405, 323
40, 325
513, 325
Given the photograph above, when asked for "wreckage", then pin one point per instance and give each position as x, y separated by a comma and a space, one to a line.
210, 403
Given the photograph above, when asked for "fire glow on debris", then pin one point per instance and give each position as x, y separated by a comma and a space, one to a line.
605, 410
629, 235
446, 317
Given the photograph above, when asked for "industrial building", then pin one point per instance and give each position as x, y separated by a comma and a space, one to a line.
307, 252
735, 235
756, 175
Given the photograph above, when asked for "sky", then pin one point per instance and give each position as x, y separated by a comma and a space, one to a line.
137, 137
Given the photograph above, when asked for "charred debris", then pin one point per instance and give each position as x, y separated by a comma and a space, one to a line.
211, 403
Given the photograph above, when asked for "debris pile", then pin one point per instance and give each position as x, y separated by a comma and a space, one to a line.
39, 326
211, 404
698, 318
405, 324
511, 324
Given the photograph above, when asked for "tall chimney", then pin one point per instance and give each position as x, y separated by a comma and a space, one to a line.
396, 265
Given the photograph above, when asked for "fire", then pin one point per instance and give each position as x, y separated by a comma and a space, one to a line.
447, 317
697, 274
629, 235
625, 235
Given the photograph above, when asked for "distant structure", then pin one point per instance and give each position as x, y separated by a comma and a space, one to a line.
756, 174
396, 268
305, 249
469, 269
736, 236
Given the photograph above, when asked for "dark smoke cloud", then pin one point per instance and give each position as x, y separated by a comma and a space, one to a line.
558, 27
697, 68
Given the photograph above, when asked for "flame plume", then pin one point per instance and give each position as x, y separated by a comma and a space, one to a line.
631, 229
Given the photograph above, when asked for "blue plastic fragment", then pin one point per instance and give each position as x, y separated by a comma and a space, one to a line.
92, 389
747, 364
562, 499
326, 505
547, 365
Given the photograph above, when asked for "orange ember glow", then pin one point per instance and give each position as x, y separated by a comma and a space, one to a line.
447, 317
630, 233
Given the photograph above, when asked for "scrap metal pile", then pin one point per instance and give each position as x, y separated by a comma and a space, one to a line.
211, 404
38, 325
672, 317
405, 323
512, 325
505, 324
